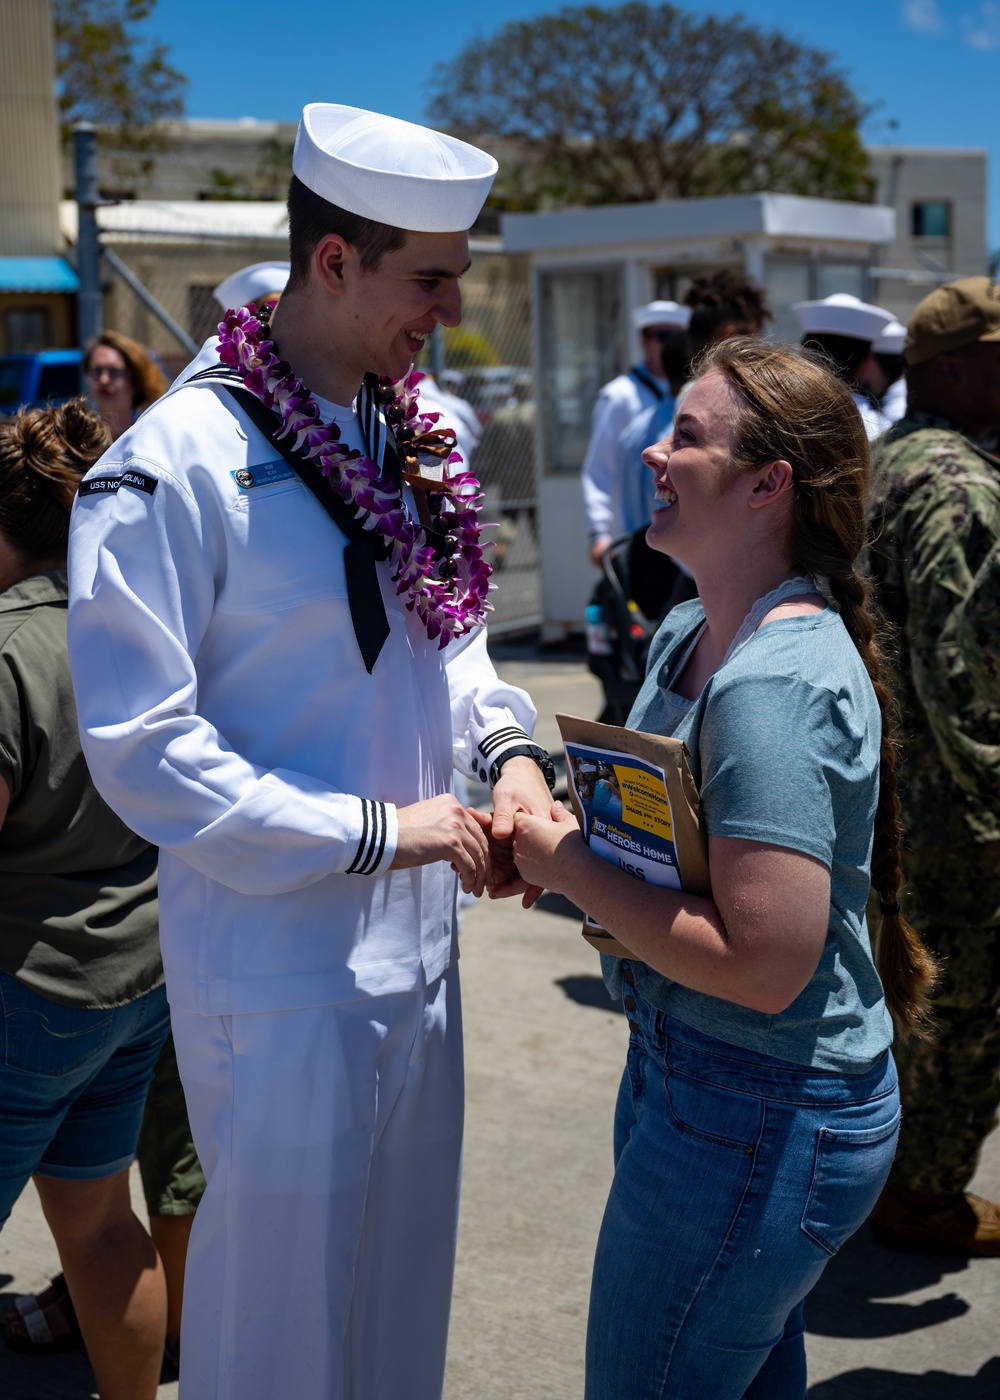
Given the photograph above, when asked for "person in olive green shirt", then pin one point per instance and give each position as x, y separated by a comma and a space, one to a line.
83, 1012
935, 558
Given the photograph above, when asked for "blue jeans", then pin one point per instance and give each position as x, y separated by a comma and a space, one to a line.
73, 1085
737, 1177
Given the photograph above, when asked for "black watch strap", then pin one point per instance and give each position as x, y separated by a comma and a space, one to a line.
533, 751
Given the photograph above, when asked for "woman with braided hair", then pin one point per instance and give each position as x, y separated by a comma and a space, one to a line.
758, 1113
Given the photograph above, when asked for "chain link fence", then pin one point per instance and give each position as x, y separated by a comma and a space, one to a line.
485, 361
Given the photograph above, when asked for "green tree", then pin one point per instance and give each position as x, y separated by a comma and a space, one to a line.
644, 102
108, 73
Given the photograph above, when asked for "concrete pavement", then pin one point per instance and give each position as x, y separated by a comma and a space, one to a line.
545, 1049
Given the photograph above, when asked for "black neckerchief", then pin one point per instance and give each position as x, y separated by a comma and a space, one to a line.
643, 376
364, 547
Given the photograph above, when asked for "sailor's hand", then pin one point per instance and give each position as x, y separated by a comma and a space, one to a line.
520, 788
546, 848
442, 829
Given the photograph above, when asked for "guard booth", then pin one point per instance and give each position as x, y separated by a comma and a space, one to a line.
591, 267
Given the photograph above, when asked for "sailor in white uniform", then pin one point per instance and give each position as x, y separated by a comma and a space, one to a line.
844, 328
617, 404
262, 283
889, 386
456, 413
258, 701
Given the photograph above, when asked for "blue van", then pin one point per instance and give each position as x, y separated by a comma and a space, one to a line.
34, 380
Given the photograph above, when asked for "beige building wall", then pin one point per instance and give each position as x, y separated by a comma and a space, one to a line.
29, 150
911, 176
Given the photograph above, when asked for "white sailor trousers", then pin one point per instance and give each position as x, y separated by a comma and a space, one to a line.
322, 1255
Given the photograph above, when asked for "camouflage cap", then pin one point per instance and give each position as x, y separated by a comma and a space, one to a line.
954, 315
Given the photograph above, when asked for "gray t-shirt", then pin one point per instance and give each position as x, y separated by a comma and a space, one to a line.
784, 743
78, 912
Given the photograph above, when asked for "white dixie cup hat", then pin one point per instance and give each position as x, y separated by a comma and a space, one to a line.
251, 283
661, 313
890, 340
842, 314
391, 171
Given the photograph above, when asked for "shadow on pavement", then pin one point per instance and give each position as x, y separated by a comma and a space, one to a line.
63, 1376
589, 991
66, 1376
868, 1383
551, 903
849, 1299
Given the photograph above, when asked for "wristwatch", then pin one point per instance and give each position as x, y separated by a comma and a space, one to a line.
533, 751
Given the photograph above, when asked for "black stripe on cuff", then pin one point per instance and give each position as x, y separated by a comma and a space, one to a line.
364, 837
371, 848
511, 734
381, 841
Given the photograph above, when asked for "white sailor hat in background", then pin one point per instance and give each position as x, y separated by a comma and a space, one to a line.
890, 340
251, 283
841, 314
392, 171
661, 313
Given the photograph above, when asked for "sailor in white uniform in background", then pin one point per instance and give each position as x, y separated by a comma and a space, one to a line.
845, 328
456, 413
889, 385
617, 404
286, 735
261, 283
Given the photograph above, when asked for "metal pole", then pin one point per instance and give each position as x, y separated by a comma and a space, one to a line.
89, 300
148, 300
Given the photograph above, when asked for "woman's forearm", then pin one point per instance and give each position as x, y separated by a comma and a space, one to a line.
681, 935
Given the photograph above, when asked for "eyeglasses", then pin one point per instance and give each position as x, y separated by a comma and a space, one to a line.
96, 372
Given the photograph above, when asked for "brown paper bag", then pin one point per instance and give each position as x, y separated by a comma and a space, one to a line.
636, 802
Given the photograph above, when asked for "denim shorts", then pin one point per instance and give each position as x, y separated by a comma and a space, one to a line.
73, 1085
737, 1178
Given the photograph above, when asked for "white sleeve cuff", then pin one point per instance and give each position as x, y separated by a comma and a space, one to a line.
376, 846
494, 743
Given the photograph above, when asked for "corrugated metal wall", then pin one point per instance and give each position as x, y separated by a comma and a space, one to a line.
29, 150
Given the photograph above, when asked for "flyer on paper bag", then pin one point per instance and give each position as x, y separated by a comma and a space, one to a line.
638, 807
626, 813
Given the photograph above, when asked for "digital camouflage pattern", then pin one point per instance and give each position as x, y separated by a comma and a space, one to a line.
935, 562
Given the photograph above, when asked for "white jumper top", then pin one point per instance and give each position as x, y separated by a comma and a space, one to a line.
227, 716
617, 404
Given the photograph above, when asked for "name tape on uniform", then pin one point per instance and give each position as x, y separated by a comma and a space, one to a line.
263, 474
100, 485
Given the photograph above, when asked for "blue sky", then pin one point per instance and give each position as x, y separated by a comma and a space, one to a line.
932, 66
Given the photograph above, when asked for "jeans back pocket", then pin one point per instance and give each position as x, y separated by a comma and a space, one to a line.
849, 1170
45, 1038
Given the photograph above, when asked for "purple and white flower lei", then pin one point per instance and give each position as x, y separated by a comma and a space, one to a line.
447, 606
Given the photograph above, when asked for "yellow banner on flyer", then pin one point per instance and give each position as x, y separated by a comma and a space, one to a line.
644, 801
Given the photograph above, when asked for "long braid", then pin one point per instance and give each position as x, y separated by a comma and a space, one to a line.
792, 408
904, 965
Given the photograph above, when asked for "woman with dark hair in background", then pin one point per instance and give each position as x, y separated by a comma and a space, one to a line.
724, 304
124, 379
172, 1177
84, 1012
759, 1110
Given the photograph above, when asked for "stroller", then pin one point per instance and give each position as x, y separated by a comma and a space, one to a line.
637, 589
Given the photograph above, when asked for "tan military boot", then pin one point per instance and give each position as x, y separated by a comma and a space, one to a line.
924, 1222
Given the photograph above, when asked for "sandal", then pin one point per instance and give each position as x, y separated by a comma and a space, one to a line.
43, 1323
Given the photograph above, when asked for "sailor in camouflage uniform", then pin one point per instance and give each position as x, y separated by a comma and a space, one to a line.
936, 563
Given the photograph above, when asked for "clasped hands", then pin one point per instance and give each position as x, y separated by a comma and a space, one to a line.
514, 850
